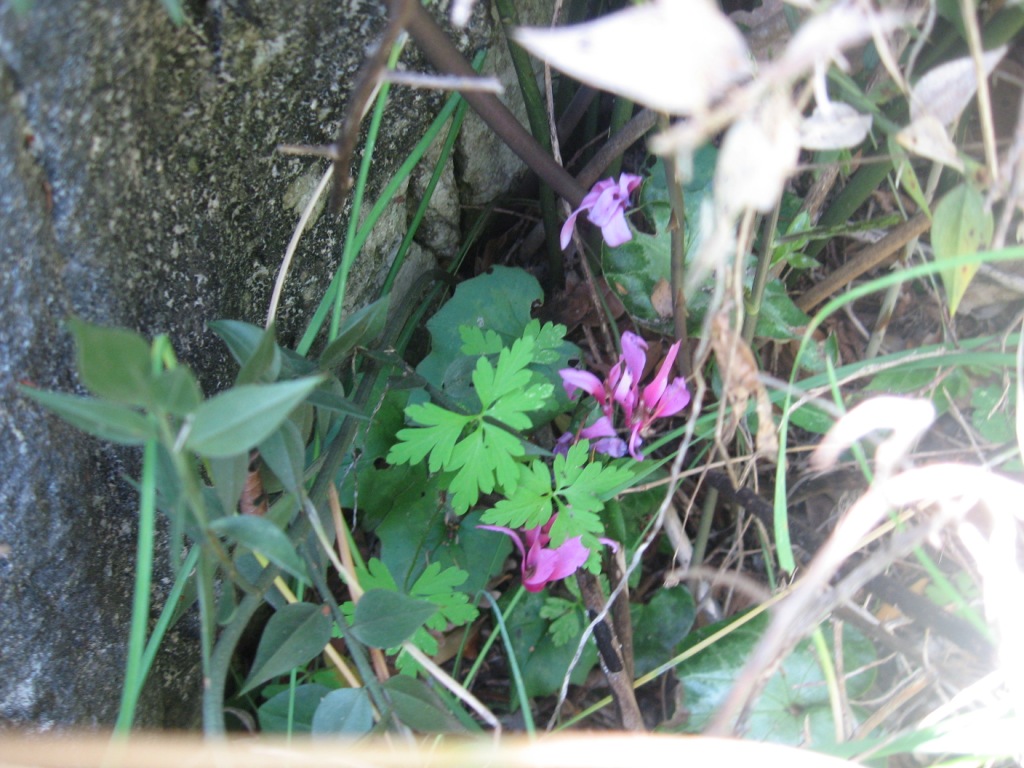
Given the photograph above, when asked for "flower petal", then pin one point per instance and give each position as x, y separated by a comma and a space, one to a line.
616, 231
573, 379
566, 234
675, 397
608, 205
567, 558
654, 390
634, 352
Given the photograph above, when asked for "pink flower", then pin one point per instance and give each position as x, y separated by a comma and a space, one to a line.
640, 407
541, 564
606, 207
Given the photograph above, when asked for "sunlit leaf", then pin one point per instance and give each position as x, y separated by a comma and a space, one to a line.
927, 137
946, 90
640, 53
961, 226
838, 127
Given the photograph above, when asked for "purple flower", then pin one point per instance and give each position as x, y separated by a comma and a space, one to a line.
640, 407
606, 207
541, 564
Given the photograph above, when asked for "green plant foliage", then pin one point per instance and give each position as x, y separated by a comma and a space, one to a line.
294, 635
346, 711
478, 448
260, 535
114, 363
273, 713
794, 706
659, 626
498, 304
438, 604
236, 420
542, 662
419, 707
577, 494
360, 328
565, 617
384, 618
100, 418
961, 226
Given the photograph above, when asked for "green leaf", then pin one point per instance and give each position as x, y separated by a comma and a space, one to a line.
419, 707
385, 619
260, 535
961, 226
236, 420
243, 339
346, 711
285, 454
326, 400
440, 588
273, 714
101, 418
530, 505
114, 363
659, 626
359, 330
264, 364
294, 635
228, 475
793, 707
177, 391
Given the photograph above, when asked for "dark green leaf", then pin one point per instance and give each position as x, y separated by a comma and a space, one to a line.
346, 711
243, 338
385, 619
264, 364
177, 391
113, 363
331, 401
262, 536
285, 455
294, 635
234, 421
419, 707
359, 330
659, 626
273, 714
228, 475
101, 418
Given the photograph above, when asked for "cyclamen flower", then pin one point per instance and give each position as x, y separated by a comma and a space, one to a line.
659, 399
542, 564
605, 205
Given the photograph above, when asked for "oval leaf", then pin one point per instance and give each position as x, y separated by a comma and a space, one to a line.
946, 89
293, 636
234, 421
273, 713
177, 391
113, 362
961, 226
345, 711
385, 619
284, 453
101, 418
261, 535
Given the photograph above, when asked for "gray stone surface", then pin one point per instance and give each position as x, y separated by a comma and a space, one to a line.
139, 186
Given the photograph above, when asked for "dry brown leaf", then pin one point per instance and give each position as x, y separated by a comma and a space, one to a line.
927, 137
740, 381
661, 298
642, 52
946, 90
834, 126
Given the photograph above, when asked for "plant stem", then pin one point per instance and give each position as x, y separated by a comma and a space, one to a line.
764, 263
